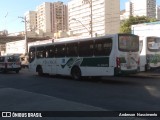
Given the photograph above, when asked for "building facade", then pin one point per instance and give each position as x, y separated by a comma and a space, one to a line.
158, 12
140, 8
98, 17
31, 18
48, 18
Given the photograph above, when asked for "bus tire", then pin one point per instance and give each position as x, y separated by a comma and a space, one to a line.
76, 73
40, 70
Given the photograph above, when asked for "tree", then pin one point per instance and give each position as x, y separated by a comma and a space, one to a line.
126, 24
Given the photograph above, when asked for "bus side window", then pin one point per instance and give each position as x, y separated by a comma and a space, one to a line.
50, 51
86, 48
103, 47
72, 49
60, 50
31, 54
2, 59
40, 52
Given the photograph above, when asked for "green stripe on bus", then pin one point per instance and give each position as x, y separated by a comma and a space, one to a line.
95, 62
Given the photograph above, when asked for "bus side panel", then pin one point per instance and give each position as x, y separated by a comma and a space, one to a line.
49, 65
96, 66
64, 65
142, 50
32, 66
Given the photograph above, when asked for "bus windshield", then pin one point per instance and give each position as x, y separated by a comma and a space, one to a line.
128, 43
153, 44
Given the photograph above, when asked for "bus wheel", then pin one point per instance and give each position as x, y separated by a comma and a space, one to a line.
76, 73
40, 71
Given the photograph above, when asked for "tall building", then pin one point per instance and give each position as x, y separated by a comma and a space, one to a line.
59, 17
144, 8
158, 12
31, 18
48, 18
105, 17
140, 8
125, 14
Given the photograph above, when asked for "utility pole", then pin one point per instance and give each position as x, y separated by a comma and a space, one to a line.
91, 21
26, 41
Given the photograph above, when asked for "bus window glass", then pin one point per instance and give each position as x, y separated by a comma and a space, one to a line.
128, 43
103, 47
86, 48
72, 49
12, 59
40, 52
60, 50
2, 59
31, 54
50, 51
153, 44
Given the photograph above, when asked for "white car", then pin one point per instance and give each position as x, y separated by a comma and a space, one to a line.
10, 63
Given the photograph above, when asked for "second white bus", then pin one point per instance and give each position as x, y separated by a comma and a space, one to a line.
149, 53
100, 56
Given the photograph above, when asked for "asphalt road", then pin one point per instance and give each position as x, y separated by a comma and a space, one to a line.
27, 91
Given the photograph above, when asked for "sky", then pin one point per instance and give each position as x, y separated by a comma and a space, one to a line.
11, 10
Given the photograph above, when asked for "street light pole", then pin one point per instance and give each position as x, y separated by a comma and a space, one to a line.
91, 19
26, 41
81, 24
91, 22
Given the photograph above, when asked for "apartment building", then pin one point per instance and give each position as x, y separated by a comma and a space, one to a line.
59, 17
103, 19
140, 8
158, 12
44, 17
31, 18
144, 8
127, 12
48, 18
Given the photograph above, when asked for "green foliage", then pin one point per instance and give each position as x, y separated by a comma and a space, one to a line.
126, 24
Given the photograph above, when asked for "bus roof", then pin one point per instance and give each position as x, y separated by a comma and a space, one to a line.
82, 39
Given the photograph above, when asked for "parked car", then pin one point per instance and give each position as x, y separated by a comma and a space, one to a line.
10, 63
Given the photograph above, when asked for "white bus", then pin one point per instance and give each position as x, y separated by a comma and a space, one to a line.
149, 52
100, 56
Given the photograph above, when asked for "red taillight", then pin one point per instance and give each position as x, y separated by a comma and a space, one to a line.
118, 62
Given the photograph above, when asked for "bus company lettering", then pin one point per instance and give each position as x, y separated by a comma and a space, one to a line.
102, 65
49, 62
14, 114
